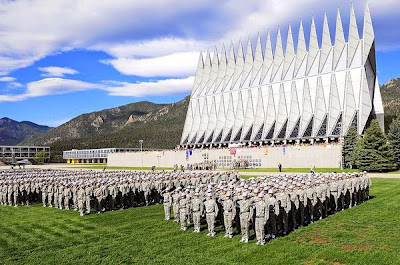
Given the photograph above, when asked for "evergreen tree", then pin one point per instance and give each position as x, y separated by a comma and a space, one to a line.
375, 152
394, 138
349, 148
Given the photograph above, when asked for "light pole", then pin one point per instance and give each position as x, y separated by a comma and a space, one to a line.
141, 151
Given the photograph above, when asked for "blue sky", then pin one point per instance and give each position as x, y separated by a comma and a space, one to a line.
59, 59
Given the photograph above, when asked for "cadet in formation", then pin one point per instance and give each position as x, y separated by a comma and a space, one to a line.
269, 206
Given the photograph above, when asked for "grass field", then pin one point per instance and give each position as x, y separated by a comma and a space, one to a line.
366, 234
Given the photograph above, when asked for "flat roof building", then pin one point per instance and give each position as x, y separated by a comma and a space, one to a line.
23, 152
95, 155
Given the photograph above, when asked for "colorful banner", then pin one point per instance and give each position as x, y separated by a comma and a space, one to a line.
284, 150
233, 151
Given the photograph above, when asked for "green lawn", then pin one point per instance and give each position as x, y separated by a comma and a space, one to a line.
366, 234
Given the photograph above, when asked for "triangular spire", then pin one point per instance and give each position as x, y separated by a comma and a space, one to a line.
221, 117
206, 74
212, 120
313, 48
307, 111
278, 56
378, 106
320, 107
258, 62
368, 33
294, 109
229, 119
199, 74
196, 122
268, 59
249, 115
326, 44
334, 105
188, 123
238, 66
354, 38
230, 68
270, 114
289, 55
204, 121
282, 111
221, 71
365, 104
248, 65
239, 117
349, 108
301, 49
339, 41
259, 114
213, 72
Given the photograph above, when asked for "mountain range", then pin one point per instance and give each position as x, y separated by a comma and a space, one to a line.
158, 125
13, 132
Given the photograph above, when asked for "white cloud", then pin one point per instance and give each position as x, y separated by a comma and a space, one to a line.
158, 88
50, 86
31, 30
173, 65
6, 79
56, 86
55, 71
153, 48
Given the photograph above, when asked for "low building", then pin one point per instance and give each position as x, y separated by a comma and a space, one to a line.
23, 152
326, 155
95, 156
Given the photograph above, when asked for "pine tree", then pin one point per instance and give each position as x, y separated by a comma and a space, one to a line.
375, 152
394, 138
349, 148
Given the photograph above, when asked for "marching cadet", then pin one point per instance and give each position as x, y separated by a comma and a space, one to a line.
261, 219
183, 211
175, 200
81, 200
320, 197
67, 196
294, 199
60, 196
285, 206
10, 191
273, 212
211, 209
197, 209
15, 191
341, 192
311, 202
88, 196
326, 194
44, 194
167, 203
246, 210
229, 208
50, 190
300, 191
333, 187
